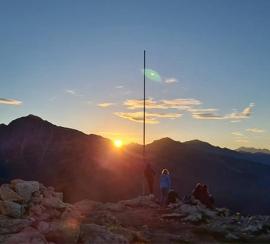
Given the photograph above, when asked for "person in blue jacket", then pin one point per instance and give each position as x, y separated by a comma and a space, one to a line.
165, 186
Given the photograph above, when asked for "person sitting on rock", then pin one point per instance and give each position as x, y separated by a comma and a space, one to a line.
149, 175
208, 199
197, 192
165, 186
202, 194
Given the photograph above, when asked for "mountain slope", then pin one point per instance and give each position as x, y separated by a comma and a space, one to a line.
88, 166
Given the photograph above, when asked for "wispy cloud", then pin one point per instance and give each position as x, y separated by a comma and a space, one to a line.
10, 102
255, 130
71, 92
150, 118
237, 134
190, 105
105, 105
182, 104
119, 87
240, 140
242, 115
170, 80
235, 116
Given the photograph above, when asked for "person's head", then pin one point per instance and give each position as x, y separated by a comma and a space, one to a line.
165, 172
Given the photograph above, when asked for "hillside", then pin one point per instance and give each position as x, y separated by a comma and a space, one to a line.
88, 166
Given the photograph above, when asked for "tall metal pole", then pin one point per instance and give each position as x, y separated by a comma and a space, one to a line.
144, 106
143, 152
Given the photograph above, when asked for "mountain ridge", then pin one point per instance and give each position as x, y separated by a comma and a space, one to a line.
35, 149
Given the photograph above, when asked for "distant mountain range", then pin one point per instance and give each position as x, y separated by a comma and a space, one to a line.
253, 150
88, 166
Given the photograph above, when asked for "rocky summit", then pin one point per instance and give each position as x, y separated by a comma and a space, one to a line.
36, 214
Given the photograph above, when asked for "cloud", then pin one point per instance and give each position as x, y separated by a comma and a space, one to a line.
189, 105
105, 105
10, 102
241, 115
202, 110
150, 118
255, 130
234, 117
119, 87
237, 133
71, 92
171, 80
182, 104
239, 140
207, 116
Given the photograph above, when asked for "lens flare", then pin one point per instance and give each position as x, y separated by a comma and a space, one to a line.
152, 75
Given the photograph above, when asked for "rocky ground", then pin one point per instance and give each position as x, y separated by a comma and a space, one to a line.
33, 213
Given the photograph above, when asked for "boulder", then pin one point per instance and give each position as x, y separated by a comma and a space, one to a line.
196, 213
59, 195
86, 206
26, 188
131, 235
61, 231
11, 209
14, 182
71, 213
114, 207
36, 198
96, 234
194, 218
53, 202
141, 201
7, 194
105, 218
40, 212
10, 225
28, 235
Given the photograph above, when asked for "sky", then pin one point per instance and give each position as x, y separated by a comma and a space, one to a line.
79, 64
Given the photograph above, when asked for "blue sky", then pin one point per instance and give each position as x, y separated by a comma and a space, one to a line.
62, 59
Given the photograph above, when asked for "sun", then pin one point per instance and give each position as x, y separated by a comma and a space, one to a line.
118, 143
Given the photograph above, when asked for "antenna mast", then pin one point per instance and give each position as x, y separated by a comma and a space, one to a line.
144, 106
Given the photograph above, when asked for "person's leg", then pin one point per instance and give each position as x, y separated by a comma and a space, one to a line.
163, 197
166, 191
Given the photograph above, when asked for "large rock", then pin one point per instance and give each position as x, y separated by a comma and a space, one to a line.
141, 201
105, 218
7, 194
86, 206
26, 188
39, 212
196, 213
10, 225
61, 231
96, 234
11, 209
53, 202
27, 236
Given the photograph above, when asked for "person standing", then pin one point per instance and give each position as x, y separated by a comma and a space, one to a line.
149, 175
165, 186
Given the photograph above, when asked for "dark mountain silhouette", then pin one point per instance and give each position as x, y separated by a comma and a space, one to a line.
88, 166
